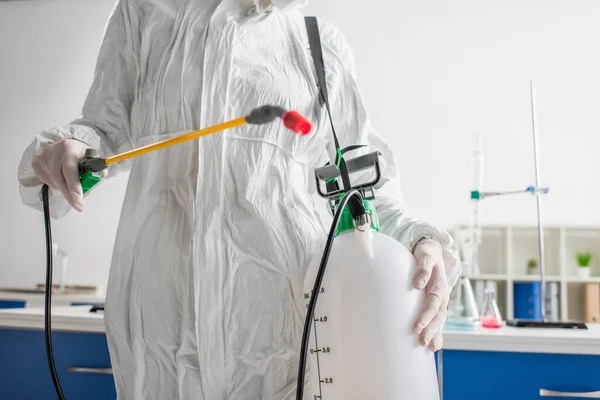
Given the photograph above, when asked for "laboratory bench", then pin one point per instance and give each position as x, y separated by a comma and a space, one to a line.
34, 297
80, 353
521, 363
507, 363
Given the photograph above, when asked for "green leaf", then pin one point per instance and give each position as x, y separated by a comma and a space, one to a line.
584, 259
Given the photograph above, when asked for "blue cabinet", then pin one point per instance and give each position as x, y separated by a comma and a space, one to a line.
516, 376
12, 304
467, 375
24, 370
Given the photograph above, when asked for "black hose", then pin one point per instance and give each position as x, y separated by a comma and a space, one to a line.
317, 287
309, 315
48, 295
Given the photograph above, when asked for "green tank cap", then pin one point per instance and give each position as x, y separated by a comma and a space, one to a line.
347, 222
475, 195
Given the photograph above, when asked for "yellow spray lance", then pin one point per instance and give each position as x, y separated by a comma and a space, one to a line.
91, 166
90, 171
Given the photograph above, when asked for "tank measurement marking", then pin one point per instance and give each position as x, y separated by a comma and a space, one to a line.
307, 295
318, 350
318, 364
323, 350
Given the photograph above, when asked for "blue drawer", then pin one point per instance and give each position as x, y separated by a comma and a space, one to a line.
4, 304
516, 376
24, 370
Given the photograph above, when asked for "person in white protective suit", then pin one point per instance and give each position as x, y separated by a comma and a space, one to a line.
205, 295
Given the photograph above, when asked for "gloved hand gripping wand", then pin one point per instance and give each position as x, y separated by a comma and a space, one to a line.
90, 171
91, 166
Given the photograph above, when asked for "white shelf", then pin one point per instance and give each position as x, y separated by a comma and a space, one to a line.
489, 277
534, 233
524, 278
584, 234
506, 250
591, 279
536, 278
527, 278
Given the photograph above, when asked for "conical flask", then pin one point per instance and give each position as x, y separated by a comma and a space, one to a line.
490, 314
462, 308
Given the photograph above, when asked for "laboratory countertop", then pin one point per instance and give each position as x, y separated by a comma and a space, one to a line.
508, 339
72, 319
37, 299
527, 340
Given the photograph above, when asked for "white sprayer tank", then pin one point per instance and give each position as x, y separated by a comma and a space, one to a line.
362, 343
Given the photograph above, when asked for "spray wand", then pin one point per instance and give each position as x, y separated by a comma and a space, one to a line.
91, 166
90, 171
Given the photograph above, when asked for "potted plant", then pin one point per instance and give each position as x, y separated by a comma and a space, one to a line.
532, 267
584, 259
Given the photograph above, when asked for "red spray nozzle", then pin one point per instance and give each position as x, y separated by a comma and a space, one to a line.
291, 119
297, 123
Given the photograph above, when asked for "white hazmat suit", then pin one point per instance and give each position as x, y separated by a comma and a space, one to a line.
204, 299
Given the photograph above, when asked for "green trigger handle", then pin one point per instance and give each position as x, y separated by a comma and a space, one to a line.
90, 170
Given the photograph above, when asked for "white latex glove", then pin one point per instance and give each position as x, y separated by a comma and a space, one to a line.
57, 167
431, 276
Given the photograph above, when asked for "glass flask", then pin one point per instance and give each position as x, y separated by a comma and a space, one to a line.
490, 314
462, 308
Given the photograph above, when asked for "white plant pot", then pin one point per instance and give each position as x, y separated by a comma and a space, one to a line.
533, 271
583, 272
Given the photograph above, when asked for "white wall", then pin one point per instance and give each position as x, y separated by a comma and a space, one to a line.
48, 51
433, 73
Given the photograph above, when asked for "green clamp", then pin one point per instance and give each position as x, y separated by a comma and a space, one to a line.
90, 170
89, 179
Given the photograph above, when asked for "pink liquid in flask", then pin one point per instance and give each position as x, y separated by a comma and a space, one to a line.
491, 323
490, 316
